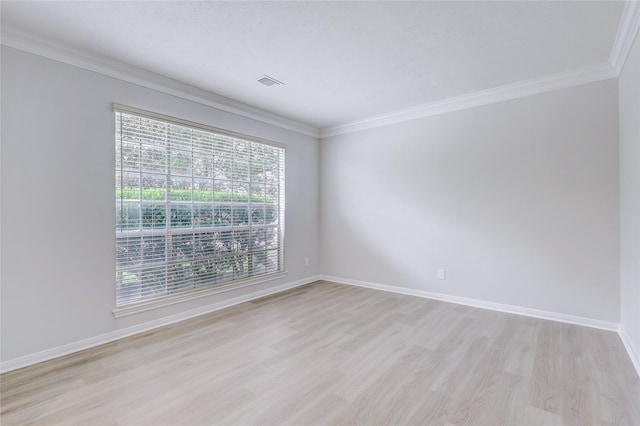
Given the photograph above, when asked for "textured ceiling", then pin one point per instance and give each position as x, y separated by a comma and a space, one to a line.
340, 61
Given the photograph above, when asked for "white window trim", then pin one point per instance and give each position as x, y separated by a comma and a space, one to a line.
172, 299
156, 116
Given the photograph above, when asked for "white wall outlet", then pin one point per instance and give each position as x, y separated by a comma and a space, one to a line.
306, 261
442, 274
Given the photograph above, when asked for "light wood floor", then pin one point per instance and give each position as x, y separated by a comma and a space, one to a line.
333, 354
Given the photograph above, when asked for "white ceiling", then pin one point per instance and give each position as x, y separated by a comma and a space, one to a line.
340, 61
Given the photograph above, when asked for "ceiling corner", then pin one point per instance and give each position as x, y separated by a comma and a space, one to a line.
144, 78
566, 79
627, 32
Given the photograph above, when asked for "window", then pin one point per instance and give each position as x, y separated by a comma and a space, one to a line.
196, 207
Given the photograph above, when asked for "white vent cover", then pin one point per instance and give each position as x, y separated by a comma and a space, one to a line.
269, 81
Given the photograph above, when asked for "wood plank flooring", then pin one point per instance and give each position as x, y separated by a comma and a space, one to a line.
332, 354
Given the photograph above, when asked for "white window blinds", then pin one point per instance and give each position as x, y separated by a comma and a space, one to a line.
195, 206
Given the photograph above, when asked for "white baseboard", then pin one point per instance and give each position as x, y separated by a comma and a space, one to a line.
633, 354
59, 351
553, 316
80, 345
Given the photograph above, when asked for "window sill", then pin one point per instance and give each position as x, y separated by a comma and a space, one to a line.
136, 308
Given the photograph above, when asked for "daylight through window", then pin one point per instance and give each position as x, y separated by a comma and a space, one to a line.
196, 207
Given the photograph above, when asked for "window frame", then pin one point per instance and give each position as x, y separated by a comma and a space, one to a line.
178, 296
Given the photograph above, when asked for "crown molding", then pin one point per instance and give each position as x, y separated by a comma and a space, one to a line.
627, 32
534, 86
150, 80
630, 23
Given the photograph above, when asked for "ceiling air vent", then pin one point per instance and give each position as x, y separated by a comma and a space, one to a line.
269, 81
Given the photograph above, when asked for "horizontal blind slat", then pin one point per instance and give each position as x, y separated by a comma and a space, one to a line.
194, 208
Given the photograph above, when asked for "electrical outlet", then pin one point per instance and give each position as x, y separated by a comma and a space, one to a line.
442, 274
306, 261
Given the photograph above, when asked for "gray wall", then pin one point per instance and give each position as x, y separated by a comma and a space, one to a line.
58, 231
517, 200
629, 112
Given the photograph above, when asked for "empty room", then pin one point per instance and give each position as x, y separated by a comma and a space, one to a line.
320, 213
